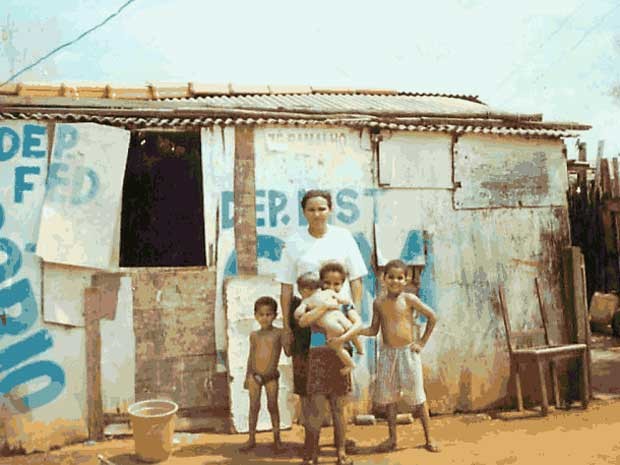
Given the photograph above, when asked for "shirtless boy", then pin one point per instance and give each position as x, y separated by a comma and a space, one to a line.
262, 370
399, 368
334, 322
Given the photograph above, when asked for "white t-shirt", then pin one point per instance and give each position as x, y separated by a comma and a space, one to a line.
304, 253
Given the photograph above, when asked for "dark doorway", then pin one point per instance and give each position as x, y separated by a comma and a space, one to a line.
162, 221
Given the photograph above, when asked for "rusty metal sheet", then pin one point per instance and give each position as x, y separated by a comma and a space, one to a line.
493, 172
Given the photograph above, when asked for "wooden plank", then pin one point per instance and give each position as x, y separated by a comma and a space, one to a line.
543, 388
605, 177
92, 299
502, 306
582, 147
615, 190
245, 201
543, 314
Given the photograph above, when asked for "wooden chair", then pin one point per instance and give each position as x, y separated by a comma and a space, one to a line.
542, 355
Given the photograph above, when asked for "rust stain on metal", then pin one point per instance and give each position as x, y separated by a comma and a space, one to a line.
533, 264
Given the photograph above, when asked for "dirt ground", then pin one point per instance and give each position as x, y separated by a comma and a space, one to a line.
574, 436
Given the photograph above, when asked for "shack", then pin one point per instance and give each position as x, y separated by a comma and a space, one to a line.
137, 226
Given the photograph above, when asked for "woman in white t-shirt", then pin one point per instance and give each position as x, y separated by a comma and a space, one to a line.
316, 369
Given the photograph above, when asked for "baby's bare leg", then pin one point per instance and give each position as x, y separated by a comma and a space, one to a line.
271, 388
346, 359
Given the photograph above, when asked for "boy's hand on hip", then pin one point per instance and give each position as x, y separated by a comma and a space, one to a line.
415, 347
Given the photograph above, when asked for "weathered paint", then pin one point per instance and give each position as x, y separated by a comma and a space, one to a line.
218, 148
240, 294
464, 254
418, 161
118, 353
63, 288
35, 385
83, 195
472, 252
509, 172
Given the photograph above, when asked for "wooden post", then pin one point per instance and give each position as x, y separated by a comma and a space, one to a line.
245, 201
576, 314
582, 147
94, 402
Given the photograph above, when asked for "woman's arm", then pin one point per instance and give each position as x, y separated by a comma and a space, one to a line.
357, 290
286, 296
300, 310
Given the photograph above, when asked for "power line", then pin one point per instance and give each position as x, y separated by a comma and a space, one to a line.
594, 25
67, 44
543, 43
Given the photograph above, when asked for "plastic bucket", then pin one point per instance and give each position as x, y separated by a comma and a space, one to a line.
152, 422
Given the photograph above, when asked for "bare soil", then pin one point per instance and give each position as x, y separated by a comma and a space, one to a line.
573, 436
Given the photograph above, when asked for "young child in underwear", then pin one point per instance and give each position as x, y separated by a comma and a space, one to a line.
322, 291
399, 367
262, 369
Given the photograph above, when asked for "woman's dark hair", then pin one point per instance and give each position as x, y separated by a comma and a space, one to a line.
316, 193
331, 267
266, 300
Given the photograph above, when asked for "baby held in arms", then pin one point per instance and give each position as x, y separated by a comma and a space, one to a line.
321, 292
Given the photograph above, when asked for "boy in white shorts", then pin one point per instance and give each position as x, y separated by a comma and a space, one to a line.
399, 368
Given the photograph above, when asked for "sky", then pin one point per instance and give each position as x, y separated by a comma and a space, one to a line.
559, 58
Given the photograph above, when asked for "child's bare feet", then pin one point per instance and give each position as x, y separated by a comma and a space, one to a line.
386, 446
251, 444
277, 446
432, 446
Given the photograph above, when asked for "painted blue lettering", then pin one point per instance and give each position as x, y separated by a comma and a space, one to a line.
260, 207
13, 262
343, 203
413, 249
54, 181
21, 185
81, 173
18, 293
66, 138
1, 216
277, 203
21, 351
28, 373
6, 153
228, 204
32, 134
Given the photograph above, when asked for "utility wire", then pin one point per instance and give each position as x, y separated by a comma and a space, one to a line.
564, 22
67, 44
594, 25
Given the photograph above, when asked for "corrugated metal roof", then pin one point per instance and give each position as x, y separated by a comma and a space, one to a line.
198, 105
496, 128
405, 104
159, 90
